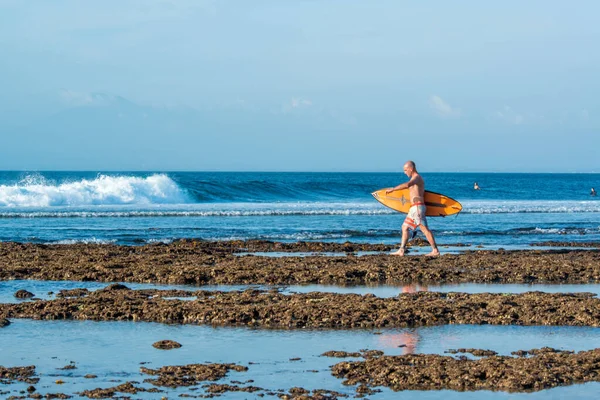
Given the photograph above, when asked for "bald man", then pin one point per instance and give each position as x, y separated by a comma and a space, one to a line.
416, 214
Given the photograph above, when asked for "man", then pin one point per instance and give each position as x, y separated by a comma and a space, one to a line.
476, 186
416, 214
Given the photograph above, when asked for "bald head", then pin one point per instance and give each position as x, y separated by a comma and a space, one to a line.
410, 168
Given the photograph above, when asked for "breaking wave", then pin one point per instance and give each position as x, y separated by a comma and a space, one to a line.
190, 213
36, 191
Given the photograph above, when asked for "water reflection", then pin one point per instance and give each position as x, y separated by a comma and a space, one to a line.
406, 341
48, 289
114, 350
414, 288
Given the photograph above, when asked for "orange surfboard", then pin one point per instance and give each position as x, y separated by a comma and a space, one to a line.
437, 204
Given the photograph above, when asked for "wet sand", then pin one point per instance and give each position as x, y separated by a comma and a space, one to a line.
204, 263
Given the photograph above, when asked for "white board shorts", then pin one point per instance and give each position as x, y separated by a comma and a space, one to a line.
416, 216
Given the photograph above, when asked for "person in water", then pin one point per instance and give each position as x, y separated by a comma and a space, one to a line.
416, 214
593, 192
476, 186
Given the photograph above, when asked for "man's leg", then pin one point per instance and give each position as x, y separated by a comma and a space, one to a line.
400, 251
431, 240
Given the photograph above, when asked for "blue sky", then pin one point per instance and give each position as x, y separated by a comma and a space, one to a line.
300, 85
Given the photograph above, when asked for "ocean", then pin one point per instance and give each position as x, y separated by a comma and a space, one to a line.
510, 211
132, 208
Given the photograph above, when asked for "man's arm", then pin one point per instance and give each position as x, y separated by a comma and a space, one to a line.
413, 181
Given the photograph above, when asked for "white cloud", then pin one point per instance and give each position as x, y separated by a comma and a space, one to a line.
510, 116
300, 102
73, 98
442, 108
584, 114
296, 103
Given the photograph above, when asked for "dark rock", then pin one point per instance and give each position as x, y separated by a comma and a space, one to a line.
115, 286
340, 354
547, 368
371, 353
343, 354
99, 393
223, 388
166, 345
23, 294
21, 374
567, 244
297, 391
475, 352
79, 292
543, 350
189, 375
320, 310
201, 262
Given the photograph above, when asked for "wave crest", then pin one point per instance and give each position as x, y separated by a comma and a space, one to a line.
190, 213
34, 191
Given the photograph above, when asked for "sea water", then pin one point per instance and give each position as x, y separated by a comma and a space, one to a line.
114, 352
47, 290
511, 210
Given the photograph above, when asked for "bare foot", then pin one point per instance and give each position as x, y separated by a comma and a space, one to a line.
434, 253
400, 252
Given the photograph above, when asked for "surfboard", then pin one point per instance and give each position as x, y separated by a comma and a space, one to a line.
437, 204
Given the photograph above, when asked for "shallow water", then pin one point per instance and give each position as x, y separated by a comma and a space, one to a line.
114, 351
412, 251
391, 291
41, 288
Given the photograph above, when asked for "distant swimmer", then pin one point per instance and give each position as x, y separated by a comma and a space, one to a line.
416, 214
476, 186
593, 192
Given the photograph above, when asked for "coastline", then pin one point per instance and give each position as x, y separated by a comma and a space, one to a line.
271, 309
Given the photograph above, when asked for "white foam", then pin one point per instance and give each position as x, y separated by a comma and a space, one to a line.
529, 206
292, 237
192, 213
165, 241
92, 240
35, 191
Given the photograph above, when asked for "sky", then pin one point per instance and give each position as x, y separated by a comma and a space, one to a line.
304, 85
